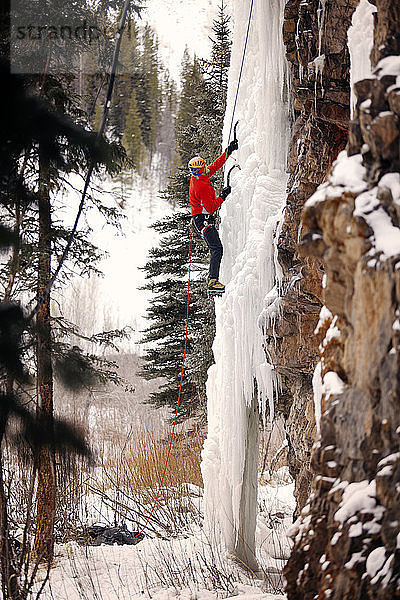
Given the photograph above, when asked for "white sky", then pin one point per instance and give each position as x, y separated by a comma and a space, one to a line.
181, 23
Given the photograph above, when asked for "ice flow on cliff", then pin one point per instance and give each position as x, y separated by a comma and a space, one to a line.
241, 380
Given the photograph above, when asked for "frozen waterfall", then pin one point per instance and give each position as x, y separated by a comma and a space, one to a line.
242, 382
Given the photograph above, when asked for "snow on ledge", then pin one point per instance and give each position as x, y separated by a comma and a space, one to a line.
348, 175
332, 384
324, 316
358, 497
390, 65
391, 181
386, 235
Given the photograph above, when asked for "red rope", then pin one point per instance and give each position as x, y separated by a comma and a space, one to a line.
179, 395
346, 129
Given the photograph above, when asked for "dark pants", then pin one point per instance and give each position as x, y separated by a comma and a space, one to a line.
204, 225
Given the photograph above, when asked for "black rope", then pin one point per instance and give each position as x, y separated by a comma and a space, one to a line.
100, 132
241, 68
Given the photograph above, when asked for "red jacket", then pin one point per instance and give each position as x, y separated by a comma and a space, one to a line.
201, 191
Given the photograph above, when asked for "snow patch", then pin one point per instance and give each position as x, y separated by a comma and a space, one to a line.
391, 181
324, 316
332, 384
360, 497
375, 561
390, 65
390, 459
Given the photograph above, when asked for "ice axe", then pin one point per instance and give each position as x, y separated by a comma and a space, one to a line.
234, 130
228, 179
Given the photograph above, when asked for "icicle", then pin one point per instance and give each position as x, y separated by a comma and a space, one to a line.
319, 61
321, 23
317, 389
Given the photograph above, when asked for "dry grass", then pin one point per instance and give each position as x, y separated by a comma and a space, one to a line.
131, 481
143, 462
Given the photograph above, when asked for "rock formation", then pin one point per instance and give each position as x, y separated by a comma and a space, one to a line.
315, 35
346, 539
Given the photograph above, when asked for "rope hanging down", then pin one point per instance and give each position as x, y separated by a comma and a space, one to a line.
100, 132
179, 394
241, 68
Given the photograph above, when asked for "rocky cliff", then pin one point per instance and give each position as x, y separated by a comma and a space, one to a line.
345, 541
315, 35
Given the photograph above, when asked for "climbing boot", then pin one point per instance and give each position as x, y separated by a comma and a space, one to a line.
215, 287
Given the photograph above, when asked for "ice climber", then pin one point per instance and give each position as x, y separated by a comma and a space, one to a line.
204, 203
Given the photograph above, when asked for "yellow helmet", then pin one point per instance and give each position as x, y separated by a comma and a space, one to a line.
196, 165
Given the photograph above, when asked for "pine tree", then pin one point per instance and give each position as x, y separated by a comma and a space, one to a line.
165, 140
141, 96
216, 69
198, 131
44, 144
125, 79
149, 96
132, 138
41, 141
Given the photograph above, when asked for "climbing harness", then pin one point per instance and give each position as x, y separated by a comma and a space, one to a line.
179, 393
100, 132
208, 221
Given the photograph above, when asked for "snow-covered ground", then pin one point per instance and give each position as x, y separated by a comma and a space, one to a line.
184, 567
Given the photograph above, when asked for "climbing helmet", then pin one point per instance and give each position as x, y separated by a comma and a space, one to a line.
197, 165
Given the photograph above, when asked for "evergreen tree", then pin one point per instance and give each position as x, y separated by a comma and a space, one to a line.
42, 140
125, 79
147, 85
165, 140
132, 138
36, 142
142, 96
198, 131
216, 69
43, 144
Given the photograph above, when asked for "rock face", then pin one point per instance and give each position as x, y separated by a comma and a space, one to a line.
347, 537
315, 35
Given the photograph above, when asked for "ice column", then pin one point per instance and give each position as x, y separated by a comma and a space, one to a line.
360, 40
241, 380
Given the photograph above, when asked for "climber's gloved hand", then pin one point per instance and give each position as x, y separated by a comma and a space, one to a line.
225, 192
234, 145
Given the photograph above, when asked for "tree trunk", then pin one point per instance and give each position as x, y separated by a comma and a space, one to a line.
46, 478
9, 576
